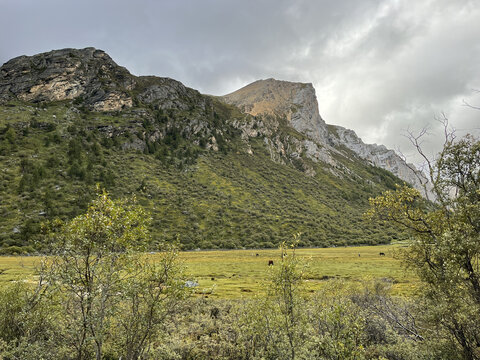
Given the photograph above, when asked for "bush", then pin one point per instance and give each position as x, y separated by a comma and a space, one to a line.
16, 250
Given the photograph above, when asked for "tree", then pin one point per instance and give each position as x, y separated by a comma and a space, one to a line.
90, 253
27, 324
286, 286
103, 279
445, 249
338, 324
274, 327
152, 294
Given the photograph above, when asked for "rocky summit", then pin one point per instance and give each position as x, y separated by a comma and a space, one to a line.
93, 78
244, 170
297, 103
89, 76
67, 74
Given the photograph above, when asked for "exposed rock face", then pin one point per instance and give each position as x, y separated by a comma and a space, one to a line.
296, 101
113, 102
380, 156
67, 74
92, 75
168, 93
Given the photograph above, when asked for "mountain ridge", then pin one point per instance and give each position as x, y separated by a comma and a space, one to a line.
298, 103
209, 174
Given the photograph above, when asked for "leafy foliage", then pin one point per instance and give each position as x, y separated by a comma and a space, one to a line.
152, 319
446, 245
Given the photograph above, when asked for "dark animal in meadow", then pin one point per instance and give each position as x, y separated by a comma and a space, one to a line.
214, 312
382, 254
270, 262
257, 255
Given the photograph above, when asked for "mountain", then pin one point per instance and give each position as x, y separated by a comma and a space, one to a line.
92, 78
297, 103
380, 156
242, 171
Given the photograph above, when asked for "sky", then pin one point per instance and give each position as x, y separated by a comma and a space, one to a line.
379, 67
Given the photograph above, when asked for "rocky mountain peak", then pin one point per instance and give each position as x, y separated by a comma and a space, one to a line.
67, 74
296, 102
91, 76
380, 156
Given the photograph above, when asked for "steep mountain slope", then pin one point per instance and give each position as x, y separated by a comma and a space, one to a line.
380, 156
297, 103
210, 175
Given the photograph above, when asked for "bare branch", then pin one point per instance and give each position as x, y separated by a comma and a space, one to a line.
469, 105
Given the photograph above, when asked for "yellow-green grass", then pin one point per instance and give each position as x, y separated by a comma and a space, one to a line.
241, 273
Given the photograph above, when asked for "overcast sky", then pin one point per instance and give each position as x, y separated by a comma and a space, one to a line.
379, 67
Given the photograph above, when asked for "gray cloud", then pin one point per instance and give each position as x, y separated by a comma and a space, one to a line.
379, 66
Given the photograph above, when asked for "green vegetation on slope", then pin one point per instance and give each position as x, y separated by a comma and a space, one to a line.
52, 155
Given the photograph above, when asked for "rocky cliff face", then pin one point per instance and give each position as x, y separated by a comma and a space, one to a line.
297, 102
68, 74
92, 77
379, 156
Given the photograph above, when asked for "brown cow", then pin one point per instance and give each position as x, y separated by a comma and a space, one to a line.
270, 262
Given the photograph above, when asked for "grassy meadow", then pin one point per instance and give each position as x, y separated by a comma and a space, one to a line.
241, 273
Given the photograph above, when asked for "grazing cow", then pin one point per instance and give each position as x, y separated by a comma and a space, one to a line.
382, 254
257, 255
270, 262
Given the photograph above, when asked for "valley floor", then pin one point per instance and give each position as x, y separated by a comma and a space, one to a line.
243, 273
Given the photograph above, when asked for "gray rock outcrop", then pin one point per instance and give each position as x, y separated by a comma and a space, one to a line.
296, 102
91, 76
68, 74
379, 156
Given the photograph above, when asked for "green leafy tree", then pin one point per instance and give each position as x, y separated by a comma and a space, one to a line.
99, 295
445, 249
88, 269
285, 291
275, 327
151, 296
10, 135
28, 322
338, 328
